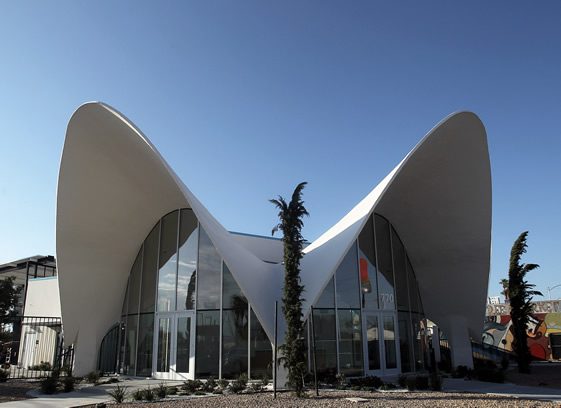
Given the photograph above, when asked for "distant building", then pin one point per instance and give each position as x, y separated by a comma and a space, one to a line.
494, 300
544, 330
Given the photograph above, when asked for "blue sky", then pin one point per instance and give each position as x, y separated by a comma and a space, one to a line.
245, 99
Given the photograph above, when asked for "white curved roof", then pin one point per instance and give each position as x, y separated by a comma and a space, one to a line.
114, 186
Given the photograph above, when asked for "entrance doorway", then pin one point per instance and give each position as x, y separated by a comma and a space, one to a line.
174, 345
381, 345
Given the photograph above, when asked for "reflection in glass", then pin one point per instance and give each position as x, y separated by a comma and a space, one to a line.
261, 352
187, 265
405, 344
385, 268
373, 342
149, 270
418, 352
389, 342
350, 342
232, 297
134, 284
234, 342
208, 342
164, 344
167, 274
130, 346
327, 297
399, 264
183, 344
325, 339
347, 279
145, 344
414, 301
210, 263
367, 266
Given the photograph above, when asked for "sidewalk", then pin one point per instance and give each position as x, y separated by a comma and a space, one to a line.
506, 390
83, 396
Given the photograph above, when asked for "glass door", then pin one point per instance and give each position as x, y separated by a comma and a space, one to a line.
381, 343
174, 343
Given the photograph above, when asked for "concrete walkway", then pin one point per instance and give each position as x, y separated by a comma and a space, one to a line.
86, 395
505, 390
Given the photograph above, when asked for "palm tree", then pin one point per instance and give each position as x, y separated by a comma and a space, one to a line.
521, 295
291, 223
504, 284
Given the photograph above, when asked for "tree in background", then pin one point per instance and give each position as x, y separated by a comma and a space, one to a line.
504, 284
291, 223
9, 295
521, 295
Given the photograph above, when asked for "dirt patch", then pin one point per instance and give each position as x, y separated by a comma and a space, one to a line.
15, 390
544, 374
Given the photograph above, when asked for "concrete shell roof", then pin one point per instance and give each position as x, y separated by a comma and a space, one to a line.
114, 186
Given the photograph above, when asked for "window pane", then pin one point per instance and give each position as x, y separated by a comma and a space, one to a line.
187, 266
418, 334
164, 344
208, 296
183, 344
413, 290
350, 342
367, 266
134, 284
400, 272
389, 342
373, 342
145, 344
129, 362
232, 297
325, 342
208, 340
327, 297
405, 344
347, 281
384, 256
261, 351
234, 342
167, 274
126, 302
149, 268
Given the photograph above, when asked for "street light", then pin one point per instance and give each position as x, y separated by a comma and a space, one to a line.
549, 289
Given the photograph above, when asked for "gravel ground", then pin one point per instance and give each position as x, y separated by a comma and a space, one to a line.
15, 390
337, 399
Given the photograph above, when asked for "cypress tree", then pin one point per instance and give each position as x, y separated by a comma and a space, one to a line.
521, 307
291, 223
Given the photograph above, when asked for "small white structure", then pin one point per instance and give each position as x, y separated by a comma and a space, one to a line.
135, 246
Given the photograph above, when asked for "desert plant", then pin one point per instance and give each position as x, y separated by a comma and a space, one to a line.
223, 384
401, 380
520, 296
118, 394
422, 382
435, 381
4, 375
172, 390
49, 384
239, 384
190, 386
256, 386
138, 395
388, 386
411, 383
93, 377
290, 216
161, 390
148, 395
68, 383
265, 380
210, 385
369, 382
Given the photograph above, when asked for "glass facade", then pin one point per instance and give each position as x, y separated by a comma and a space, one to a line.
179, 277
369, 318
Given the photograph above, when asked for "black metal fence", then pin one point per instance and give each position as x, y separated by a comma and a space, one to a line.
32, 347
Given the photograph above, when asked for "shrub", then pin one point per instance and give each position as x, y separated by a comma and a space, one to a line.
42, 366
161, 391
401, 380
138, 395
209, 385
422, 382
148, 395
93, 377
172, 390
435, 382
265, 380
411, 383
505, 363
461, 371
4, 375
192, 385
68, 383
369, 381
200, 392
119, 394
239, 384
489, 374
49, 385
256, 387
388, 386
222, 383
